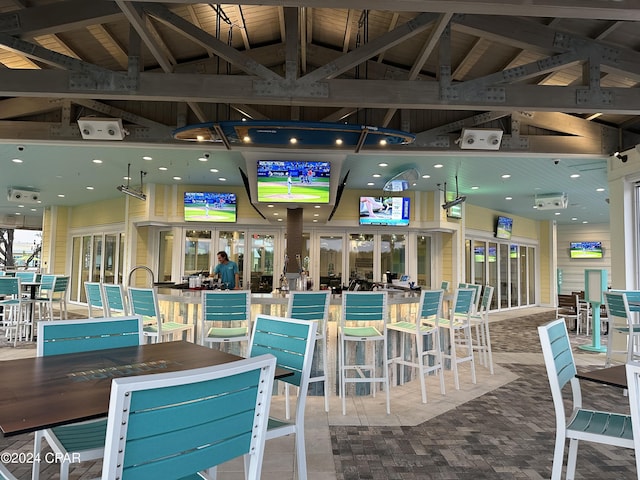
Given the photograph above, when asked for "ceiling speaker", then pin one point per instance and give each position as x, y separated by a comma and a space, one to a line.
18, 195
481, 139
95, 128
551, 201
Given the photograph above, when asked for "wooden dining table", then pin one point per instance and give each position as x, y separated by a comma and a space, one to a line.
44, 392
615, 376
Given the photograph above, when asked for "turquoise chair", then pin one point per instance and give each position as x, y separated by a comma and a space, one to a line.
26, 276
480, 323
458, 327
174, 425
14, 315
633, 387
589, 425
81, 441
226, 318
363, 323
292, 343
313, 306
424, 338
5, 474
144, 302
95, 297
621, 322
53, 288
114, 300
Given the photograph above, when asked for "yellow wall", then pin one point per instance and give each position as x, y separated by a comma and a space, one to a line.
106, 212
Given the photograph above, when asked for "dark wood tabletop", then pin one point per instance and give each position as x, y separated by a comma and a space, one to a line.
43, 392
615, 376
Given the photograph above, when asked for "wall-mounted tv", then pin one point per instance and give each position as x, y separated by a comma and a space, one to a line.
513, 251
392, 211
210, 207
293, 181
504, 226
585, 250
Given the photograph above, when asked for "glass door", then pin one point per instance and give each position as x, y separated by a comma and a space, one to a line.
261, 261
331, 256
361, 250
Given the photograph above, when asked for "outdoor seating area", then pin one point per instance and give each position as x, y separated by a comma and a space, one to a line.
487, 410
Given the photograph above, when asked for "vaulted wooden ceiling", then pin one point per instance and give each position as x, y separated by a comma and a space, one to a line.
557, 77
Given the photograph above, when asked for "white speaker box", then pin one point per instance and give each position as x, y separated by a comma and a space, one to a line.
552, 201
95, 128
18, 195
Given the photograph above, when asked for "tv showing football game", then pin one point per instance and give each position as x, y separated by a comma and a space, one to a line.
292, 181
210, 207
389, 211
585, 250
504, 226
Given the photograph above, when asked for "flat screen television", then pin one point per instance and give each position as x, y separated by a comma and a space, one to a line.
210, 207
293, 181
513, 251
585, 250
478, 254
504, 226
391, 211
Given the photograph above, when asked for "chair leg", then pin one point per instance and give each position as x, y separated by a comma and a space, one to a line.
467, 331
341, 372
325, 372
558, 456
419, 351
438, 358
37, 448
453, 357
571, 459
301, 454
488, 345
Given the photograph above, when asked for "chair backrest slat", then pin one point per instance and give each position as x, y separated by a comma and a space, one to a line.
364, 306
72, 336
226, 306
464, 301
617, 305
47, 282
26, 276
309, 306
431, 304
291, 341
61, 284
10, 287
173, 425
142, 301
487, 295
114, 299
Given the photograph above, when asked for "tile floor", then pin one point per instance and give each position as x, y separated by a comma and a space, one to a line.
501, 427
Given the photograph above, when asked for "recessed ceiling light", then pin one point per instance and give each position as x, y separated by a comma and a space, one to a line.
383, 142
96, 160
89, 187
275, 214
315, 220
126, 178
475, 187
147, 157
508, 198
438, 165
574, 175
376, 175
370, 184
584, 221
426, 176
574, 218
383, 164
18, 213
34, 209
600, 189
270, 205
558, 213
246, 139
293, 140
214, 170
163, 169
203, 159
20, 206
506, 175
222, 179
317, 206
316, 214
280, 219
200, 138
177, 178
338, 141
61, 195
16, 160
